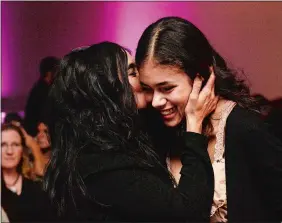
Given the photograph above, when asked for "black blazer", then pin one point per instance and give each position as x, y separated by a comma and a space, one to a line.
253, 169
121, 189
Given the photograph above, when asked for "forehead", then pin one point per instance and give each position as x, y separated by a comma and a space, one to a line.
152, 74
11, 135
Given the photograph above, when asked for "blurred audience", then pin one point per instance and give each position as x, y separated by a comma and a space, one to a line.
23, 200
35, 104
43, 140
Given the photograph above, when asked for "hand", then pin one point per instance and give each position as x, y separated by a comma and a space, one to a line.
29, 140
200, 103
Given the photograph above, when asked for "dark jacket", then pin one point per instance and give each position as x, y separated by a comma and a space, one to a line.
253, 165
124, 190
253, 169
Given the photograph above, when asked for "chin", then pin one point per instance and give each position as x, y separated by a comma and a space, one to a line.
172, 123
176, 121
9, 166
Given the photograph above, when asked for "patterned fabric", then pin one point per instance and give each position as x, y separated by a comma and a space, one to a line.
219, 206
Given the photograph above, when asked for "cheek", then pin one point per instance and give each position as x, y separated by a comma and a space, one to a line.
19, 153
135, 84
148, 97
180, 99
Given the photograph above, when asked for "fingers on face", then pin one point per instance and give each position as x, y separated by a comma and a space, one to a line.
197, 84
210, 83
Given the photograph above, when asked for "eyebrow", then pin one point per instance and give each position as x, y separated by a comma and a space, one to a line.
163, 83
131, 66
158, 85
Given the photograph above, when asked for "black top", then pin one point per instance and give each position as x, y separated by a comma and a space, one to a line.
253, 169
128, 191
31, 205
253, 159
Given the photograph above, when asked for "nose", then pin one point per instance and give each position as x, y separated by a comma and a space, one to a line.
9, 150
158, 100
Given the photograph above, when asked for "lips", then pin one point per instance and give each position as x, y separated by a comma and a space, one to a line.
9, 158
168, 113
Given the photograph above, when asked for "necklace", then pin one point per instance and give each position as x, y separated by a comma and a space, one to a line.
12, 186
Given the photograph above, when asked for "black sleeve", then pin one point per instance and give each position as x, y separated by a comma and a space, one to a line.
141, 195
266, 158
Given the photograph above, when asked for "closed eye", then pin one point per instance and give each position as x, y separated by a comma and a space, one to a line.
146, 89
133, 74
167, 89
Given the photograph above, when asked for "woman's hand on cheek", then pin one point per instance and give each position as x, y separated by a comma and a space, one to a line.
200, 103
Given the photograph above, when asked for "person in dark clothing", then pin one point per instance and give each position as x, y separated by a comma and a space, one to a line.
246, 158
22, 199
34, 110
103, 166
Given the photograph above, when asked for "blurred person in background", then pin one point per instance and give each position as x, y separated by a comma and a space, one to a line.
34, 109
37, 158
43, 140
23, 200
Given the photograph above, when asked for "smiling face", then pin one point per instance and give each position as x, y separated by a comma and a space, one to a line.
168, 89
133, 78
11, 148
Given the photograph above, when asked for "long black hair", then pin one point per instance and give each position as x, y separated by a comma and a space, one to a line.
177, 42
91, 109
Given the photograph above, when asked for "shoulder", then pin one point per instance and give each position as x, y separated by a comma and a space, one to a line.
243, 124
243, 120
96, 163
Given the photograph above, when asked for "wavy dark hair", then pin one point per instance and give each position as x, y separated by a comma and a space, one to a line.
91, 110
177, 42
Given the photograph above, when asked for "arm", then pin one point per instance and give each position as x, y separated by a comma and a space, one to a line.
39, 164
140, 194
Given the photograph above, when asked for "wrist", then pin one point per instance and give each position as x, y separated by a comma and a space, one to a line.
194, 126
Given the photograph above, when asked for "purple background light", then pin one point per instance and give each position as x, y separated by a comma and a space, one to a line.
247, 34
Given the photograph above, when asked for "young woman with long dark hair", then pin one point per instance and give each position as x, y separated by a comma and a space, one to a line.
171, 55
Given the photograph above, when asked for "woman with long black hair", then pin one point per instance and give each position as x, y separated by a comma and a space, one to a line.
171, 55
103, 166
